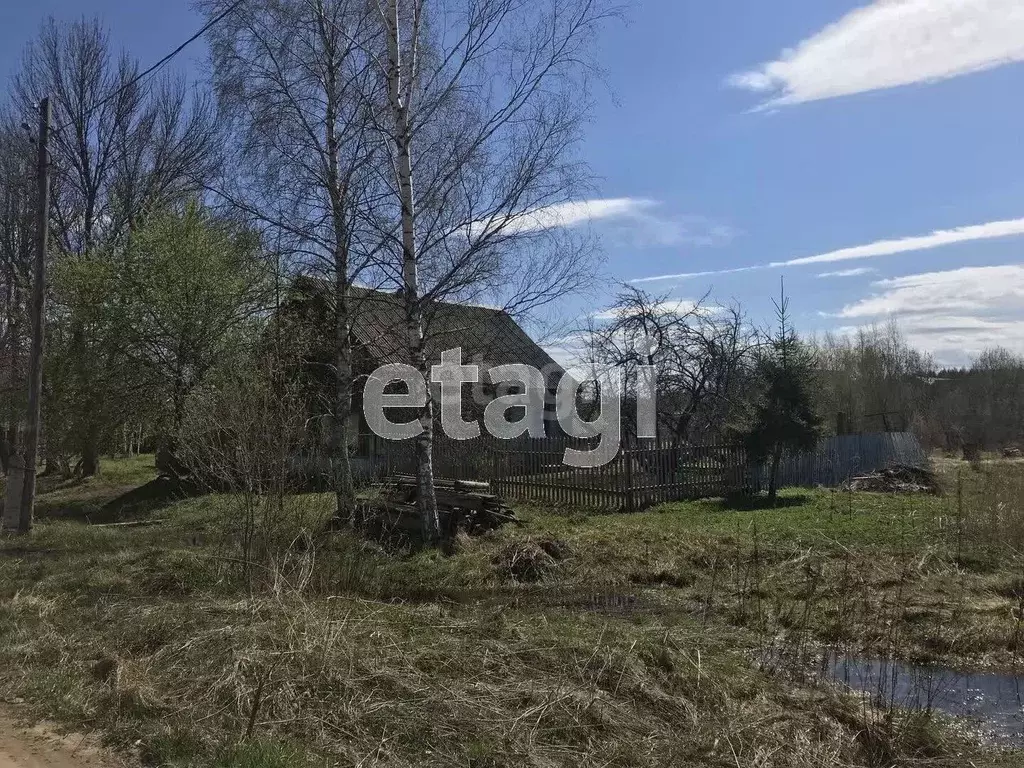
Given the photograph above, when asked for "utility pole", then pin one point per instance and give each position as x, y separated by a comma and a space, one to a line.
35, 374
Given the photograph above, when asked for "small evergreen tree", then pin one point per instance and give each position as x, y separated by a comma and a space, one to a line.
781, 415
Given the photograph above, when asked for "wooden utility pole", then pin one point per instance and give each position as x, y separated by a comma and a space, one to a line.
35, 373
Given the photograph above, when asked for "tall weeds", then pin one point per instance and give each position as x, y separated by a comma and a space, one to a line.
243, 440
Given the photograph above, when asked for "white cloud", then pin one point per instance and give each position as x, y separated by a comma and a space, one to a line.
686, 275
680, 306
570, 352
855, 272
937, 239
631, 221
651, 228
891, 43
578, 212
954, 314
968, 289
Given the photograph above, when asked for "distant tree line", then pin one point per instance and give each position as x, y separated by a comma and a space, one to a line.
874, 380
710, 363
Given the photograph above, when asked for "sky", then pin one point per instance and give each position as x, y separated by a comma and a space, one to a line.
867, 153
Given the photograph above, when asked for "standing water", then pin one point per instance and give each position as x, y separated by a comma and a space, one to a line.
995, 701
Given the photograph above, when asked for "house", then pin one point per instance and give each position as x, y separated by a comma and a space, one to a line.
488, 337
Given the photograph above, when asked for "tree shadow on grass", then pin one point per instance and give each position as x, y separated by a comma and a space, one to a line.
131, 505
146, 499
744, 502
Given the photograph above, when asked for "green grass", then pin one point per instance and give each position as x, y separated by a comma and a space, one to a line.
803, 518
83, 498
831, 520
633, 650
929, 578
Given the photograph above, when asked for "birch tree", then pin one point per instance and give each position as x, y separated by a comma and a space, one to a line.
485, 104
294, 82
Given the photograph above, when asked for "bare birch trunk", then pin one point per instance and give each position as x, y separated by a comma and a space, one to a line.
341, 466
338, 192
400, 108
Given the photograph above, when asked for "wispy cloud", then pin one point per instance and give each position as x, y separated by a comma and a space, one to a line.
937, 239
687, 275
667, 306
655, 228
631, 221
855, 272
892, 43
955, 314
578, 212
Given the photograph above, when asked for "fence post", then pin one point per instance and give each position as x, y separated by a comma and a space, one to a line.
630, 501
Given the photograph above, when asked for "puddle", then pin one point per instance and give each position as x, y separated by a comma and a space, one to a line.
995, 702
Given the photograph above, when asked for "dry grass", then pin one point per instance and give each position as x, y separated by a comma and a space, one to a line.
940, 572
632, 648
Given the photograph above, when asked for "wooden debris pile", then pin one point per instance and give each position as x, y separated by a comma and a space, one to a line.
897, 478
462, 505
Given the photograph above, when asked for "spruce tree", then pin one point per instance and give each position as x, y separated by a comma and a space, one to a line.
781, 416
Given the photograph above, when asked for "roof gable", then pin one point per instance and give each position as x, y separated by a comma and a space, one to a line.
487, 336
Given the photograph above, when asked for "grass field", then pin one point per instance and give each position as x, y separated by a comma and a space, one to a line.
610, 640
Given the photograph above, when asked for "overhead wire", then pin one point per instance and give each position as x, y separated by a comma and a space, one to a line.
162, 62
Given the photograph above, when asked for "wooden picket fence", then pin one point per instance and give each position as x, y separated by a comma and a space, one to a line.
640, 475
661, 474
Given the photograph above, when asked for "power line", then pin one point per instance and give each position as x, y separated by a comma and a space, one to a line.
138, 78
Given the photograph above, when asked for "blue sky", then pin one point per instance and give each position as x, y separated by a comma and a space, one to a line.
739, 133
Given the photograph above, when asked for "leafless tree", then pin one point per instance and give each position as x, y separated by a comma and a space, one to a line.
996, 411
121, 147
294, 82
16, 250
485, 104
699, 354
874, 379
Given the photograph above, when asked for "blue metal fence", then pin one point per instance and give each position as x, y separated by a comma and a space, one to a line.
838, 458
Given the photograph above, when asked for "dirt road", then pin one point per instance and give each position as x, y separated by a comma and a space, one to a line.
41, 747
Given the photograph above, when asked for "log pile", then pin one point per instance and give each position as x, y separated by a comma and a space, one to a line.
462, 505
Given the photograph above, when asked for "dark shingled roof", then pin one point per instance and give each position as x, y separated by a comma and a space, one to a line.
487, 336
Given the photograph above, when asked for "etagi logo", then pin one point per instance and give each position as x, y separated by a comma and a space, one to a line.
528, 400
